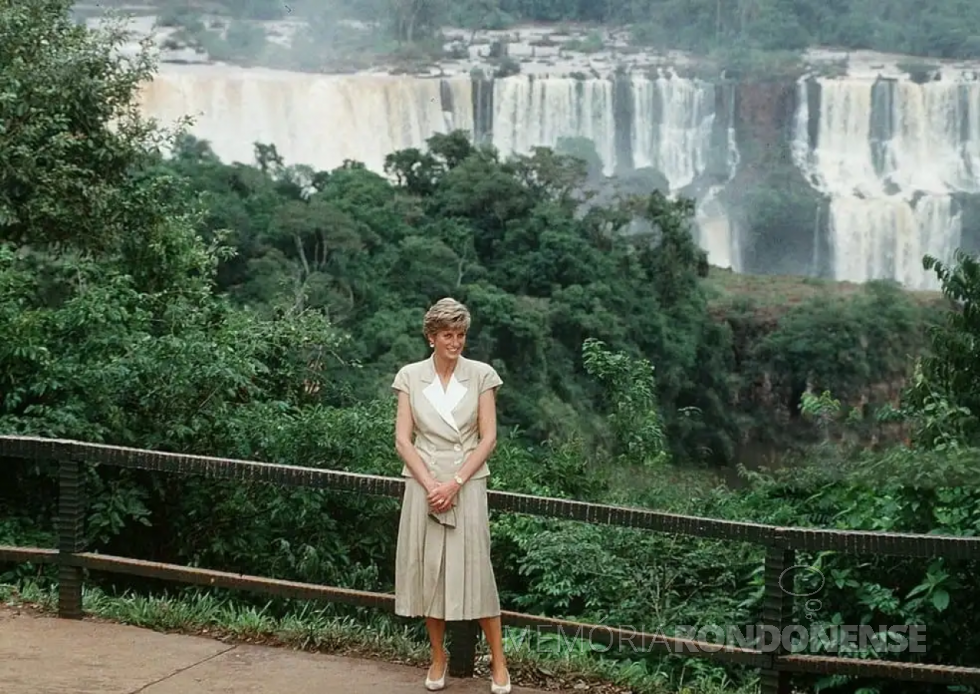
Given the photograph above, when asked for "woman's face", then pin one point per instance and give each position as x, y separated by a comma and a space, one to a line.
448, 343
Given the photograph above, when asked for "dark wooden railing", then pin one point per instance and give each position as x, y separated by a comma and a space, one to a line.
781, 544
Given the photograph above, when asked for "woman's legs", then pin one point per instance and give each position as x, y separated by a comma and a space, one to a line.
493, 632
495, 640
437, 633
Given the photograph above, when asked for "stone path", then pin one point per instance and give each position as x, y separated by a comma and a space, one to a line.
46, 655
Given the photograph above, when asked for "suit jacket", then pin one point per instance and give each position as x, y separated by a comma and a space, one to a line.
446, 425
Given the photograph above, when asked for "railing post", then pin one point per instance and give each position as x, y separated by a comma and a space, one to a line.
777, 611
462, 648
71, 537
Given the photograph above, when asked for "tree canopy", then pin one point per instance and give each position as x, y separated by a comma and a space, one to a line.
506, 237
110, 314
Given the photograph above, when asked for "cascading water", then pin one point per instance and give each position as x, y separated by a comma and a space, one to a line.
536, 112
890, 155
319, 120
672, 126
668, 127
719, 235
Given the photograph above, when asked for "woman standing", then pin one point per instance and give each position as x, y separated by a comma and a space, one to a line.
445, 431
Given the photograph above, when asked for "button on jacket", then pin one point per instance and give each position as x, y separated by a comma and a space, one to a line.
446, 420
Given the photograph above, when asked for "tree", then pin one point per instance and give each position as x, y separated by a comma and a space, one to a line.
110, 328
944, 394
630, 394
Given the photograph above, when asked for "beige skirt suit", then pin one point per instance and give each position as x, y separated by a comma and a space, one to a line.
442, 563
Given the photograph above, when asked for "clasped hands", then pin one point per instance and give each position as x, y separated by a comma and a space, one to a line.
443, 496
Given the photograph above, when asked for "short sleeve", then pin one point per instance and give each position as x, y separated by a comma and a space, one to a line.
489, 379
401, 381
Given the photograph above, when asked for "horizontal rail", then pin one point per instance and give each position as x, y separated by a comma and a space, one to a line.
28, 555
225, 579
634, 518
877, 543
853, 667
595, 633
805, 539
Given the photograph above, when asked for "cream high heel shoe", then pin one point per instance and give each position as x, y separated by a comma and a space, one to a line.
436, 685
500, 688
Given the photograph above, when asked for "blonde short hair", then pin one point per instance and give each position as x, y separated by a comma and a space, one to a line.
445, 314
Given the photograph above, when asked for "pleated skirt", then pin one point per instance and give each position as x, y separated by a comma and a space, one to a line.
445, 572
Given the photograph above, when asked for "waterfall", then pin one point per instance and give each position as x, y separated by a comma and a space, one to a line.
719, 235
669, 128
673, 120
319, 120
890, 155
536, 112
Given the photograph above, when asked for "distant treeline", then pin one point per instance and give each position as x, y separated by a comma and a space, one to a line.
938, 29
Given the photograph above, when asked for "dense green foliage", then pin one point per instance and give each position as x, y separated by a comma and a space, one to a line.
504, 238
186, 304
